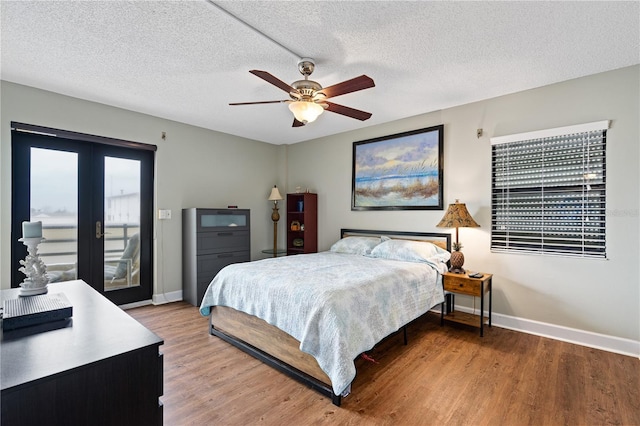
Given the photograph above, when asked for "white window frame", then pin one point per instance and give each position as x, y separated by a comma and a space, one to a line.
549, 191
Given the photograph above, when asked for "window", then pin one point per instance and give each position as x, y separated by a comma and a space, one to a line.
548, 191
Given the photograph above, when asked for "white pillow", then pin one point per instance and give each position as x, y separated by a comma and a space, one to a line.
355, 245
410, 251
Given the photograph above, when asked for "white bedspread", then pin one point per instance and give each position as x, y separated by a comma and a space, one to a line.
336, 305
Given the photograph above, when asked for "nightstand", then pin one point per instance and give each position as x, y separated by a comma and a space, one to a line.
464, 284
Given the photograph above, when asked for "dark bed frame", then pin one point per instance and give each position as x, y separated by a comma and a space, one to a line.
442, 239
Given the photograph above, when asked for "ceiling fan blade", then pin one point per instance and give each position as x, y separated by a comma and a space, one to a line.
297, 123
348, 86
349, 112
259, 102
273, 80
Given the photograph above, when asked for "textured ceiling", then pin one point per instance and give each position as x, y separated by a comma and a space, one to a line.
186, 60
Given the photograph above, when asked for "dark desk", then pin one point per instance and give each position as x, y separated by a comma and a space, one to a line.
100, 367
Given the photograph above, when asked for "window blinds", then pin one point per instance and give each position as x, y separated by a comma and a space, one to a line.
548, 191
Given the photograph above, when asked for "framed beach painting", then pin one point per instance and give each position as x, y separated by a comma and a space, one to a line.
399, 172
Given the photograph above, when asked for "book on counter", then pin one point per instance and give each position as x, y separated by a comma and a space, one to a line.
32, 310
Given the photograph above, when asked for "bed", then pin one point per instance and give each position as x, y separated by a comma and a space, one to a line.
311, 315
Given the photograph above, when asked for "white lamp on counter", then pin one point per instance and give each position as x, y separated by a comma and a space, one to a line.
32, 266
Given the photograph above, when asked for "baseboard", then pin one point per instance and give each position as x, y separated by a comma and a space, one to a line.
134, 305
571, 335
173, 296
566, 334
158, 299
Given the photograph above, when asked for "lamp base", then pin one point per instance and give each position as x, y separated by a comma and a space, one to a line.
456, 261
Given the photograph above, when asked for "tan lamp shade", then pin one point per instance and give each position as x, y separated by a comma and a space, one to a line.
456, 216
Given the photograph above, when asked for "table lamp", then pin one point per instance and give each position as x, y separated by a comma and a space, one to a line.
275, 216
457, 216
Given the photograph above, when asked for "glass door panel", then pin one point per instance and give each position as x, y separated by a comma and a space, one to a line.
121, 234
54, 202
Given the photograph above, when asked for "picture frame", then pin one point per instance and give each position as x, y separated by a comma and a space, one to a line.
403, 171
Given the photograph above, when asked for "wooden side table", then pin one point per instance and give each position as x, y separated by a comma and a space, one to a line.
464, 284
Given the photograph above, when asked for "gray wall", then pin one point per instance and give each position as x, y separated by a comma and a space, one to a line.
194, 168
599, 296
197, 167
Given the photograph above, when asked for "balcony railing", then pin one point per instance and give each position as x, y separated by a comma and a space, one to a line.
60, 243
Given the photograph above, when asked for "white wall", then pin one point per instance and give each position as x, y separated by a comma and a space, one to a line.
598, 296
194, 168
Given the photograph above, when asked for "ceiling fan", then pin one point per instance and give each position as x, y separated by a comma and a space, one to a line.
309, 98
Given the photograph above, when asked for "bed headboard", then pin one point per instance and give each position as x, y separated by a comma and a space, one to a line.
440, 239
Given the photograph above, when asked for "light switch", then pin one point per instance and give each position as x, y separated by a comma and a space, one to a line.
164, 214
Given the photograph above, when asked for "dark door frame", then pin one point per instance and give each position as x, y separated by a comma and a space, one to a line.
85, 145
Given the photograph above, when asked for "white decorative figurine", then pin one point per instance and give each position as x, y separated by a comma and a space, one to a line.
32, 266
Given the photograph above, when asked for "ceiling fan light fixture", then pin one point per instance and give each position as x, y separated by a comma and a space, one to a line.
308, 99
305, 111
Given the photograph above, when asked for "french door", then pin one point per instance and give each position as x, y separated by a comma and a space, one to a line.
94, 197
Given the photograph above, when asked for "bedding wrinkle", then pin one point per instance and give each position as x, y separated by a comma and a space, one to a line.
337, 305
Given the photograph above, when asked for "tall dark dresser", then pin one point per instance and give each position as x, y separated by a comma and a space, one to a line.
211, 240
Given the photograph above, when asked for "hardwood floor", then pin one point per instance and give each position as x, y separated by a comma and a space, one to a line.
445, 375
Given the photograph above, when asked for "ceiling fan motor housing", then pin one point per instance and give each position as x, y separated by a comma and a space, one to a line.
306, 66
306, 89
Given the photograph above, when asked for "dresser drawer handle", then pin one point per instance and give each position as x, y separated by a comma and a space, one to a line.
461, 285
225, 234
225, 255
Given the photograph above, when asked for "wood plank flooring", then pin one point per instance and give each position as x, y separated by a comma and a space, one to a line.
445, 375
